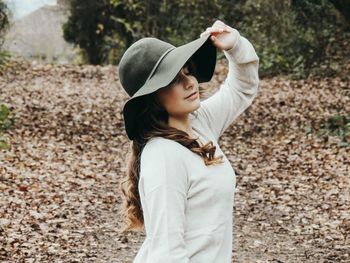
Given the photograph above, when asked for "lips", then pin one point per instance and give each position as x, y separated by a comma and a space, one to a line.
191, 94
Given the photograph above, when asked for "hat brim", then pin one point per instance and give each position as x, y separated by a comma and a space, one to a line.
203, 53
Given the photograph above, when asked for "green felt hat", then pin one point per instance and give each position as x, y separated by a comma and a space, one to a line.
150, 64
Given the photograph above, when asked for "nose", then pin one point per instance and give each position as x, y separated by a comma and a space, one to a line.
189, 82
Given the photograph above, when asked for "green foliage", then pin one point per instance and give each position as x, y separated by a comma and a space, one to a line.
272, 42
105, 28
344, 9
4, 21
86, 27
6, 122
337, 125
4, 25
290, 36
5, 57
318, 22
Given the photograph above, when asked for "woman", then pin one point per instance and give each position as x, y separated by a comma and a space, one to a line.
180, 185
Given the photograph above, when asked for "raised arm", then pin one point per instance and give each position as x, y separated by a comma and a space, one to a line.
238, 90
164, 181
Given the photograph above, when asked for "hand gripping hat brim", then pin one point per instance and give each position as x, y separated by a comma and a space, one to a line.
164, 70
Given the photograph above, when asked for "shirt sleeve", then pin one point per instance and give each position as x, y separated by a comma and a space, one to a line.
165, 186
238, 90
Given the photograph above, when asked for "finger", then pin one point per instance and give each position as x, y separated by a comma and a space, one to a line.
217, 42
221, 29
219, 22
218, 30
227, 28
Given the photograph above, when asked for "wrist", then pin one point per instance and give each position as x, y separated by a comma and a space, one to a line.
235, 45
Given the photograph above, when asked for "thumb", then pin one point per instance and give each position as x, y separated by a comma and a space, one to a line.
216, 41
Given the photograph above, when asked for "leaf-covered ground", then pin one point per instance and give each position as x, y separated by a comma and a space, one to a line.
59, 180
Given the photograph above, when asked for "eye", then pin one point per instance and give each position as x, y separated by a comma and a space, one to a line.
186, 70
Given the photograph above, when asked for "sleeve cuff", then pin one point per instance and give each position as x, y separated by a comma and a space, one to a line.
242, 52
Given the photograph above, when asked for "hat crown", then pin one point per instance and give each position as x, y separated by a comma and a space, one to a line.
138, 62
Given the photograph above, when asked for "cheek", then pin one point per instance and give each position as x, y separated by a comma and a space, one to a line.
171, 99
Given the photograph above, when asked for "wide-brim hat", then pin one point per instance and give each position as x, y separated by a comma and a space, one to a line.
150, 64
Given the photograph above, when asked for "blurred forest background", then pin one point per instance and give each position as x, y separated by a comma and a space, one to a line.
297, 37
294, 37
63, 145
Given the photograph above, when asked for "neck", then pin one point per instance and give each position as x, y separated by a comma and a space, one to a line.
182, 123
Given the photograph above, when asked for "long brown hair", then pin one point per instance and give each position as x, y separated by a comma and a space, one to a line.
153, 122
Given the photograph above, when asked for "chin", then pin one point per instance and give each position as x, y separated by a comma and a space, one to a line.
198, 105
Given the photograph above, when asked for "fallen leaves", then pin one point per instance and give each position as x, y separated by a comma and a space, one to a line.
59, 180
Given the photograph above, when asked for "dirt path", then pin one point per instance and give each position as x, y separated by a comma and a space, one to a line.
59, 195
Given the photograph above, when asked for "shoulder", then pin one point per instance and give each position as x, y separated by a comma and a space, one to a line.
162, 166
161, 148
161, 157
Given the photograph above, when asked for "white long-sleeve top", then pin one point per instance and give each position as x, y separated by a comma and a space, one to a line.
188, 206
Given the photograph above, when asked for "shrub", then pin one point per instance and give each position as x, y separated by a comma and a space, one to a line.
6, 122
290, 36
337, 125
